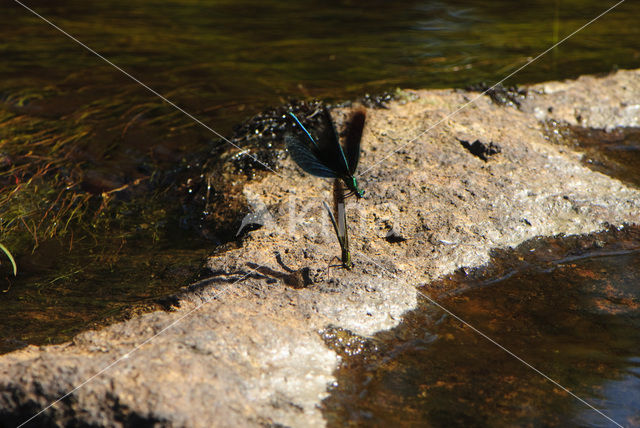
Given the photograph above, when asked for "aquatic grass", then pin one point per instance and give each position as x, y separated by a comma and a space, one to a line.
42, 163
11, 259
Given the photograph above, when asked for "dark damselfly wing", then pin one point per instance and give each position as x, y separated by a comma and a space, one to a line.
306, 133
355, 126
323, 155
301, 152
331, 152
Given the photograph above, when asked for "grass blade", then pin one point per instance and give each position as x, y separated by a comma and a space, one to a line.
13, 262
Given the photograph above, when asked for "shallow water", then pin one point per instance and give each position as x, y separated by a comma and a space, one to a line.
570, 307
97, 225
615, 152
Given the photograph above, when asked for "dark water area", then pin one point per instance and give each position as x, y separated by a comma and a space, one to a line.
614, 152
569, 306
94, 169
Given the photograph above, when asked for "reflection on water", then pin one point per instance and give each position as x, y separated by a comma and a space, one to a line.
91, 164
568, 306
620, 398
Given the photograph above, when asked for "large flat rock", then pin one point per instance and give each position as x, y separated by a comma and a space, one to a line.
244, 347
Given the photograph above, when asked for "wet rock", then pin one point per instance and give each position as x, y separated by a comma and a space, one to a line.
246, 346
501, 95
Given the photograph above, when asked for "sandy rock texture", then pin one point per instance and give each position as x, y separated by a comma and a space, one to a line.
244, 346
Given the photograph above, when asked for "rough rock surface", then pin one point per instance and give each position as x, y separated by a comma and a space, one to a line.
244, 349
